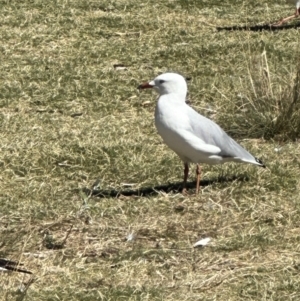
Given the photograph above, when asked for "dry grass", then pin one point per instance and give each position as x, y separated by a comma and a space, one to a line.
69, 117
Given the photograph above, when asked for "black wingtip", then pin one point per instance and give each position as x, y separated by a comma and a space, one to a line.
260, 162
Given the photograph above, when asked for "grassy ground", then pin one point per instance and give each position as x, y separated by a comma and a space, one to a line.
71, 114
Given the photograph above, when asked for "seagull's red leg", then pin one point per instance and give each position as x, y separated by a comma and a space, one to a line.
186, 174
295, 15
198, 174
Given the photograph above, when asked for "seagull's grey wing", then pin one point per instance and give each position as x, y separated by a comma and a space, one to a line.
197, 143
213, 134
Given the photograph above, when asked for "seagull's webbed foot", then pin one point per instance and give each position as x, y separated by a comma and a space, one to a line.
184, 191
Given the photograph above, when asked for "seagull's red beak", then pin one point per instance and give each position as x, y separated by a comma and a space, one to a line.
145, 86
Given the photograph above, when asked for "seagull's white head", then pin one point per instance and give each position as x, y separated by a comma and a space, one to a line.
168, 83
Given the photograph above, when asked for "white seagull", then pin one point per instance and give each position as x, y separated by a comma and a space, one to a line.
295, 15
193, 137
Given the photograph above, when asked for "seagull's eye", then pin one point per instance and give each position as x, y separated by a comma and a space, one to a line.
161, 81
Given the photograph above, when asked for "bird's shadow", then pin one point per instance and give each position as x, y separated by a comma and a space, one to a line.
268, 27
171, 187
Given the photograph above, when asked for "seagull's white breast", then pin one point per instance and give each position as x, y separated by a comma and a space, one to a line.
171, 120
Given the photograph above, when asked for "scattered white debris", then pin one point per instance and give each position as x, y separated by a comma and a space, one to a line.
202, 242
136, 33
128, 184
120, 67
130, 237
35, 255
146, 103
277, 149
96, 185
64, 164
22, 288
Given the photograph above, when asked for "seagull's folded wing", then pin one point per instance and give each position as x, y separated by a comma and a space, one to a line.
198, 144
